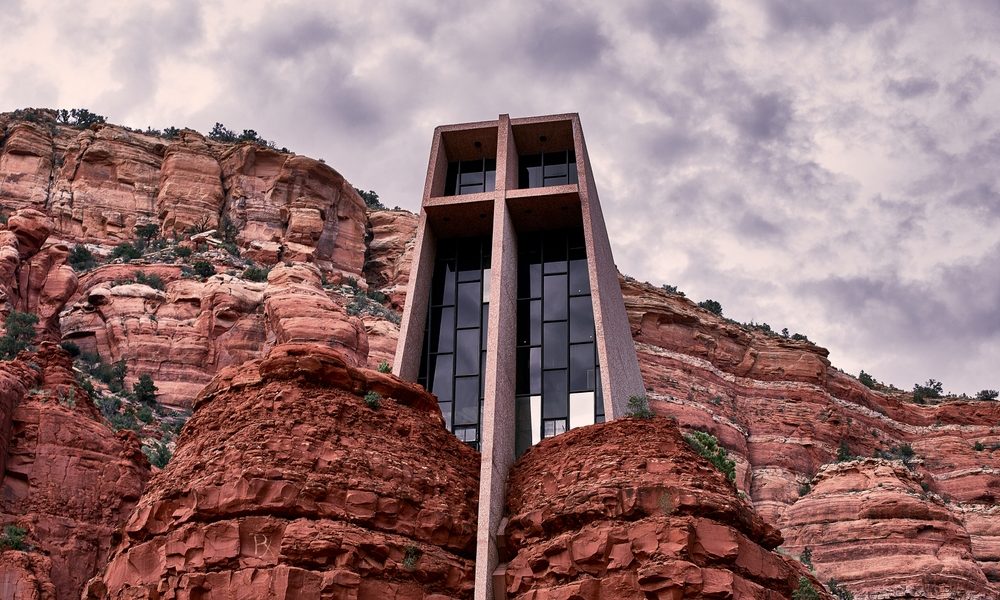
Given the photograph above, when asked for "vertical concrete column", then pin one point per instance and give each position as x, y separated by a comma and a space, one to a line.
497, 445
406, 364
620, 375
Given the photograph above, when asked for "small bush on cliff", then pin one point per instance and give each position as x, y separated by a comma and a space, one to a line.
81, 118
411, 556
3, 217
72, 349
806, 557
371, 199
844, 452
81, 259
182, 251
126, 252
154, 281
867, 380
804, 488
13, 538
839, 591
805, 591
158, 453
20, 333
638, 407
711, 306
145, 390
373, 400
255, 273
672, 289
987, 395
708, 446
931, 389
384, 367
203, 268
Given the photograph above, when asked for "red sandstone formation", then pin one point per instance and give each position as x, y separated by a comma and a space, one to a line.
32, 278
390, 251
68, 479
783, 411
286, 484
626, 510
870, 525
183, 335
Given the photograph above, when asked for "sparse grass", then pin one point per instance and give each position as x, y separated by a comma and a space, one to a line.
708, 446
638, 407
384, 367
13, 538
411, 556
373, 400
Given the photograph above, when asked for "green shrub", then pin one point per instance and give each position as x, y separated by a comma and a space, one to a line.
708, 446
183, 251
839, 591
255, 273
158, 453
203, 268
384, 367
931, 389
154, 281
371, 199
867, 380
20, 333
987, 395
147, 232
4, 217
81, 118
373, 400
81, 258
145, 390
126, 251
411, 556
807, 557
638, 407
221, 133
712, 306
844, 452
806, 591
978, 447
805, 488
145, 414
13, 538
72, 349
231, 248
672, 289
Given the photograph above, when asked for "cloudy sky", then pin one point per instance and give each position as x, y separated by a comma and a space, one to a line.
828, 166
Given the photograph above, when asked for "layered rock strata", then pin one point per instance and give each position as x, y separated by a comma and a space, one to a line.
869, 525
626, 510
68, 480
287, 484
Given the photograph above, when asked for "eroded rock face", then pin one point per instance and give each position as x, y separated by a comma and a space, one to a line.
183, 335
869, 525
626, 510
783, 413
390, 252
285, 484
68, 479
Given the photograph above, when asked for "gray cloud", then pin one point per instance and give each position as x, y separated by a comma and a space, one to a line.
911, 87
824, 15
764, 117
674, 19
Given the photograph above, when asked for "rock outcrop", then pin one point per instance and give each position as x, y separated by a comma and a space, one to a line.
390, 252
784, 413
625, 510
182, 335
68, 481
287, 484
870, 525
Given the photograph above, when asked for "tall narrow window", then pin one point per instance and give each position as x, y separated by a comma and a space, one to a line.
557, 383
453, 361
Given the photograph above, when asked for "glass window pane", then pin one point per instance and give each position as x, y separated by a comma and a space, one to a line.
452, 177
522, 424
491, 174
535, 371
441, 376
556, 170
467, 352
482, 380
444, 284
579, 279
446, 413
469, 304
555, 346
572, 173
554, 427
522, 371
466, 400
555, 395
581, 409
581, 319
555, 298
555, 252
530, 171
581, 367
442, 329
486, 284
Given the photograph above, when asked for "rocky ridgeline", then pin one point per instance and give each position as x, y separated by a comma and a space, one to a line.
310, 468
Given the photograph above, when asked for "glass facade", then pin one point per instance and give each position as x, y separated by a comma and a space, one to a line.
549, 168
471, 177
558, 379
454, 354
